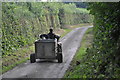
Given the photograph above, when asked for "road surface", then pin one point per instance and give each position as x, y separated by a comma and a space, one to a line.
50, 69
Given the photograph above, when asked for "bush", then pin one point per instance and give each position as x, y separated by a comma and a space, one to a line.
23, 22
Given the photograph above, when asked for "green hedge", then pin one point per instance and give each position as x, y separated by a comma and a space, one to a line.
22, 22
103, 58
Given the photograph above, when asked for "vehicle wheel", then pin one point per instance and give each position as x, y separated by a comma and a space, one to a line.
32, 58
59, 48
60, 57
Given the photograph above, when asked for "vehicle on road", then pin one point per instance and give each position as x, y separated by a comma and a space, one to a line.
47, 49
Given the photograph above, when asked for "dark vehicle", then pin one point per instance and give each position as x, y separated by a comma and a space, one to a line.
47, 49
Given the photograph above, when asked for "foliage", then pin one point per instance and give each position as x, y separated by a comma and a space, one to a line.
23, 22
77, 68
102, 59
106, 46
79, 4
15, 58
22, 54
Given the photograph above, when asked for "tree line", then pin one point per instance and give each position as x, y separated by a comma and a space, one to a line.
22, 22
102, 59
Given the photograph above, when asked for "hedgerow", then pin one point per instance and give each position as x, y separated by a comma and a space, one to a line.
22, 22
102, 59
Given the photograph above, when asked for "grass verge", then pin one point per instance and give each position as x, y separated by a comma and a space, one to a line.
21, 55
89, 64
72, 72
16, 58
69, 28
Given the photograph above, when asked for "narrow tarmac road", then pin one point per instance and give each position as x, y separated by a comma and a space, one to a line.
50, 69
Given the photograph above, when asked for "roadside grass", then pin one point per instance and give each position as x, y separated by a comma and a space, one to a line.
74, 67
81, 25
22, 54
89, 64
16, 58
67, 30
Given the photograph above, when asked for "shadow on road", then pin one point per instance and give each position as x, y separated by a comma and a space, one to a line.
46, 61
